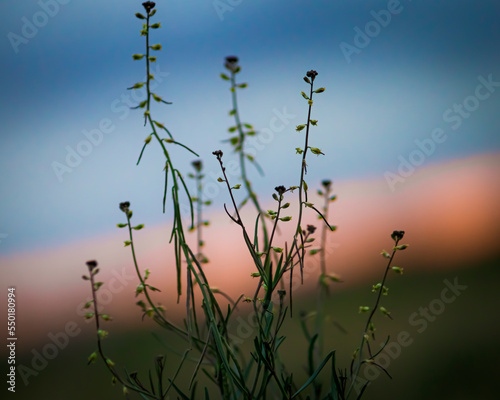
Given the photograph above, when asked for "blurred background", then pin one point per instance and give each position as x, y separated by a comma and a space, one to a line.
408, 123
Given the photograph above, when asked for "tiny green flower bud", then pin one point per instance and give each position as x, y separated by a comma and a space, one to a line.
219, 179
88, 315
106, 317
333, 228
310, 205
314, 122
127, 243
305, 96
102, 333
136, 86
310, 102
364, 309
156, 25
138, 227
299, 127
152, 59
278, 249
285, 219
155, 47
401, 247
159, 125
243, 85
88, 304
286, 205
140, 16
334, 278
298, 150
320, 90
226, 78
307, 79
138, 56
156, 97
316, 151
255, 275
385, 254
110, 363
397, 270
314, 251
147, 140
385, 312
92, 358
236, 186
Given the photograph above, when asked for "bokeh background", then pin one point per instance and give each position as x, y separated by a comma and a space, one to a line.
409, 125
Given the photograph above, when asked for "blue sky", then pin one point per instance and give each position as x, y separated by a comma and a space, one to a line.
68, 76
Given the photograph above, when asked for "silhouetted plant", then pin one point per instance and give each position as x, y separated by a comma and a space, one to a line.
206, 329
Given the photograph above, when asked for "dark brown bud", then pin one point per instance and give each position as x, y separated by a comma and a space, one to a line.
198, 166
397, 235
218, 154
125, 206
149, 5
91, 265
312, 74
311, 228
231, 63
326, 183
280, 189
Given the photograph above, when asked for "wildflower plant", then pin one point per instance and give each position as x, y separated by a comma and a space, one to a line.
225, 369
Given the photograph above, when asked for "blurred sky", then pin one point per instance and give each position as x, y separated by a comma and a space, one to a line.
69, 76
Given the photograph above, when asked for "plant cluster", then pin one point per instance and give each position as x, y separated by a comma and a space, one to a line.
230, 371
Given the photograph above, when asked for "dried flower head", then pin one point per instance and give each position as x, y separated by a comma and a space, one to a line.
231, 63
149, 5
326, 183
312, 74
280, 189
125, 206
397, 235
311, 229
91, 265
218, 154
197, 164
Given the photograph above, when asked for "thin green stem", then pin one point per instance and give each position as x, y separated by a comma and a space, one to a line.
368, 321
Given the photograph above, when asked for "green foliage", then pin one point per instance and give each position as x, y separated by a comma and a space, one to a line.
237, 373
